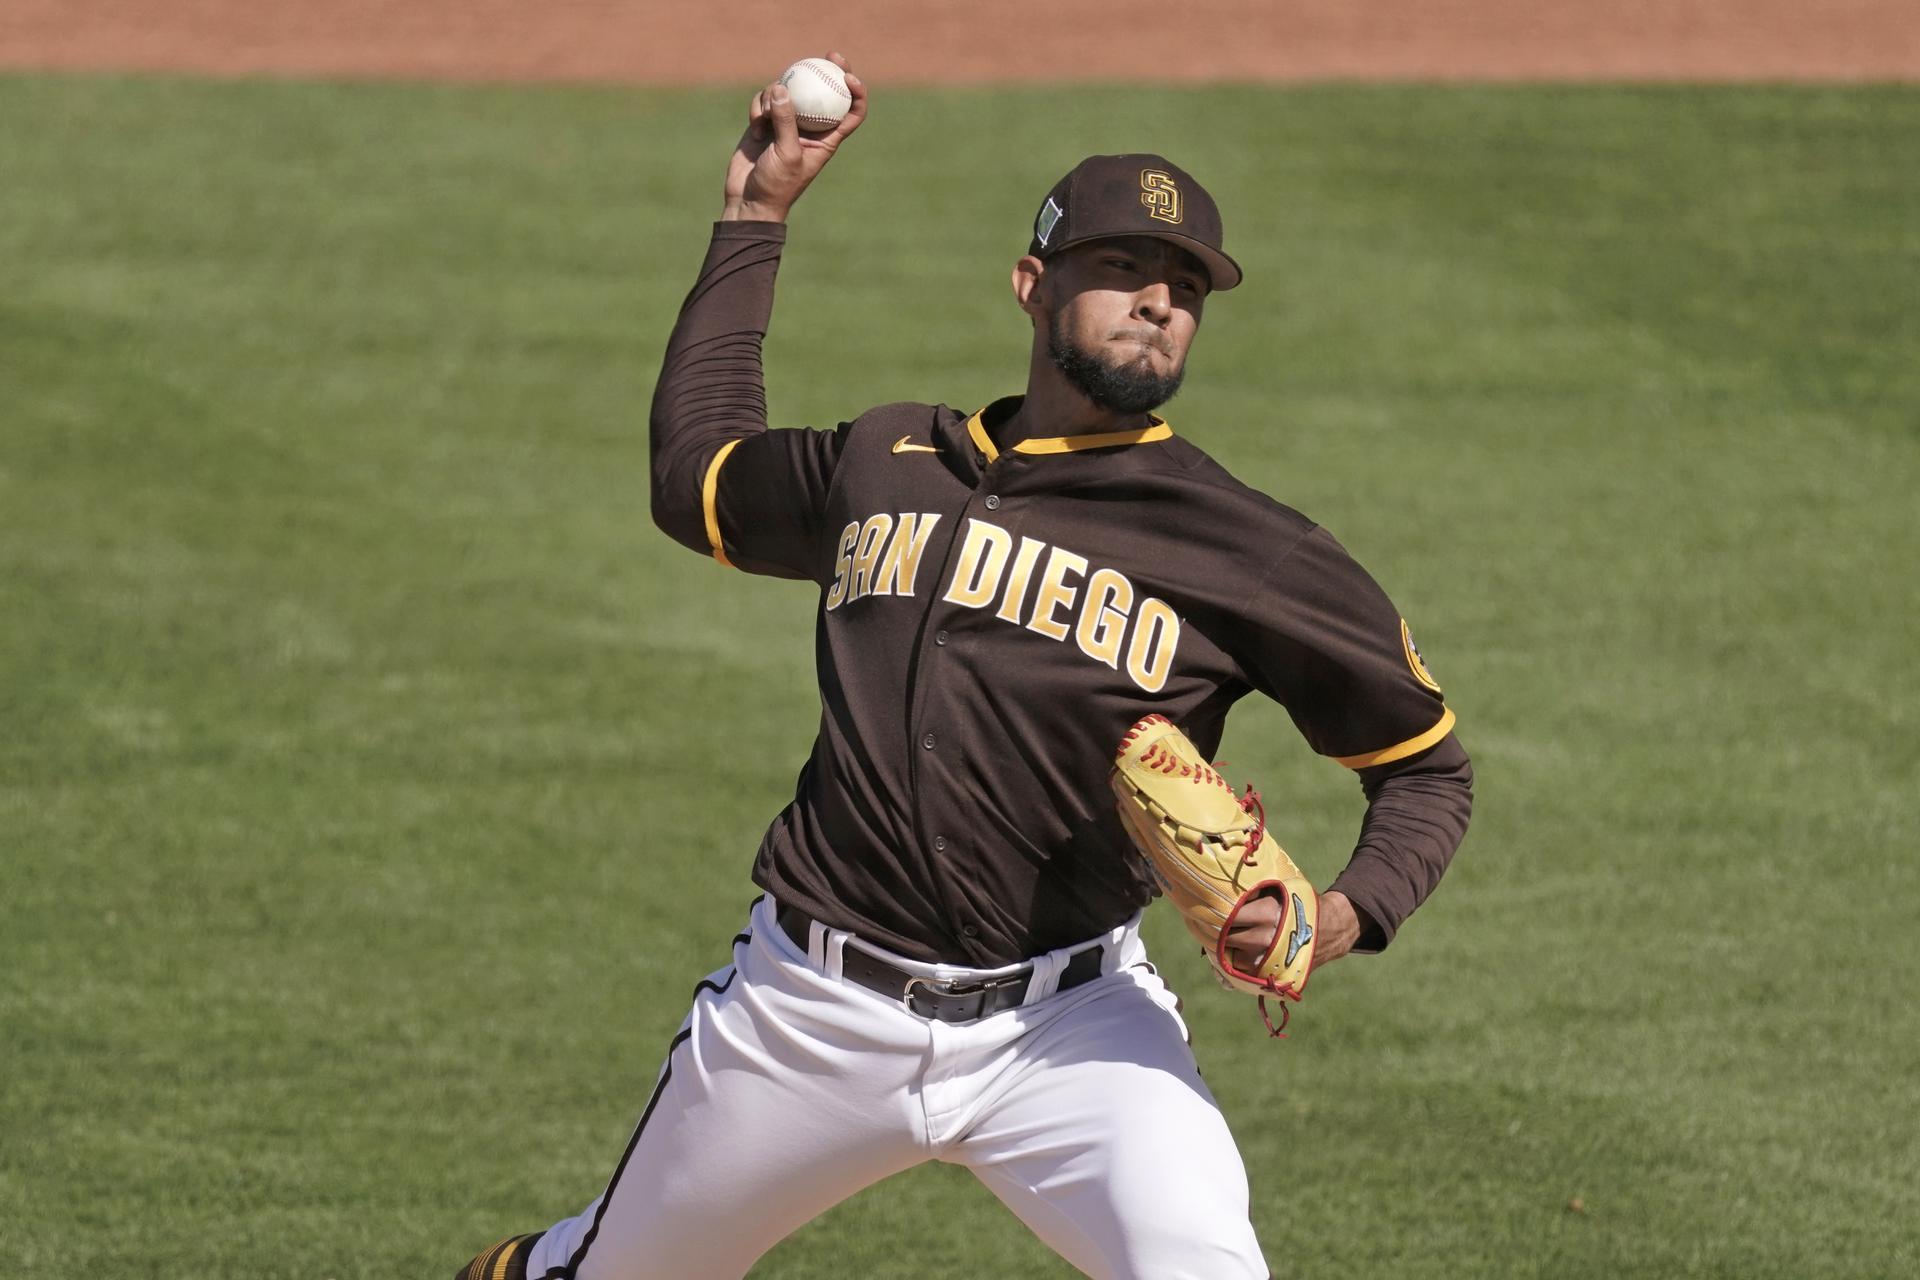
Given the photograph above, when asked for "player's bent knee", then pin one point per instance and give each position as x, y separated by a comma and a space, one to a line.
1228, 1253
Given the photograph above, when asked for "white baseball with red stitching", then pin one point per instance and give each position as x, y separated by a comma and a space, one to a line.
819, 91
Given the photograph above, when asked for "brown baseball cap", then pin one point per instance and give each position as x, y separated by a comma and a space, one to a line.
1133, 195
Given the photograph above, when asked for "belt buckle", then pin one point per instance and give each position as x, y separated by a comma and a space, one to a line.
936, 987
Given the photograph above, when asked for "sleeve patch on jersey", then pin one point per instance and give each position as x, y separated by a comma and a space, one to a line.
1401, 750
1414, 660
709, 502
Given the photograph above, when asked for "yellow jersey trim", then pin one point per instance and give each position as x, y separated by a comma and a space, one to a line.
1105, 440
709, 502
1401, 750
981, 440
1159, 430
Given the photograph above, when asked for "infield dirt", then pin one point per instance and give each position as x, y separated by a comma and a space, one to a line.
984, 40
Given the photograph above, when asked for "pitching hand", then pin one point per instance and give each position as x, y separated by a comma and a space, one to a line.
774, 163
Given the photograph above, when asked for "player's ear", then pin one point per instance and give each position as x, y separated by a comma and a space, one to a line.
1027, 292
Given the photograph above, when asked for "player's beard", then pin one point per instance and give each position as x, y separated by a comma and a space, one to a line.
1128, 387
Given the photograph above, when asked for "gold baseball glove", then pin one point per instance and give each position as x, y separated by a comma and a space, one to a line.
1211, 854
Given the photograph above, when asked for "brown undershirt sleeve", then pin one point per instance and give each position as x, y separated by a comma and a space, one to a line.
1417, 811
711, 390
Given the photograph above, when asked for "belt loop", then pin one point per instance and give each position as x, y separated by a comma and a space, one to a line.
1112, 951
817, 945
1046, 976
836, 954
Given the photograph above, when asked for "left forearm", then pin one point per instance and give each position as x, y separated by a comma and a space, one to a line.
1338, 928
1417, 813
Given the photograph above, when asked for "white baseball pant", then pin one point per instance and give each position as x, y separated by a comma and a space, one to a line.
787, 1090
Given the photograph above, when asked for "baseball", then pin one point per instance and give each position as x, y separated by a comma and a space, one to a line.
819, 93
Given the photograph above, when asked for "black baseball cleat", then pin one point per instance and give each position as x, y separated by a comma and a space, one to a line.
505, 1261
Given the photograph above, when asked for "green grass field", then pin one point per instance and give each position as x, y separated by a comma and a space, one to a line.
375, 782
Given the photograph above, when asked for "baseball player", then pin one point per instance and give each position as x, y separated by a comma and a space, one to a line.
946, 964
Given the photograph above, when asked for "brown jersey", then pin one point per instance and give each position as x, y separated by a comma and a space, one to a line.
989, 624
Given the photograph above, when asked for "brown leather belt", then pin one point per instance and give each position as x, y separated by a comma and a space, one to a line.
939, 1001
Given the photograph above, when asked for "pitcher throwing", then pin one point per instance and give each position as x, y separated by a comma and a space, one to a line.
946, 964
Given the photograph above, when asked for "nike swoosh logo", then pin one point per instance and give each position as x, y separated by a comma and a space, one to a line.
903, 445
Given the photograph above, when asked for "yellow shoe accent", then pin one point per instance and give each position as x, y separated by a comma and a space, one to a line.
497, 1263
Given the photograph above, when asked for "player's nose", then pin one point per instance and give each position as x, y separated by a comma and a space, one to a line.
1154, 303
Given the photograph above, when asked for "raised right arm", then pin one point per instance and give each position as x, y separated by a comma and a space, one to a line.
711, 394
709, 415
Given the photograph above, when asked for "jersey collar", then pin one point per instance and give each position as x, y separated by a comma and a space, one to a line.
1156, 430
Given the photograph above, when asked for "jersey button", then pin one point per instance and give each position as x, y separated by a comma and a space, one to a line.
969, 930
939, 844
993, 502
927, 742
939, 637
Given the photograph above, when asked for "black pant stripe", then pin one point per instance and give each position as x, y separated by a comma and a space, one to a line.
570, 1270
